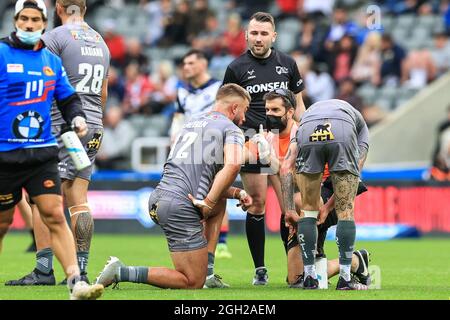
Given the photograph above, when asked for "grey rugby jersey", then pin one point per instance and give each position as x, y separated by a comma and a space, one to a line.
86, 59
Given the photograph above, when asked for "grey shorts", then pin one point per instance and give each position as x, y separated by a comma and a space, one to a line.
331, 141
179, 220
91, 143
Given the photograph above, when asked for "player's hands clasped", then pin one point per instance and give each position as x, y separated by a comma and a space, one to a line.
80, 126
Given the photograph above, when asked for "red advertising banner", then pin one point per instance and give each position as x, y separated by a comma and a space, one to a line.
426, 208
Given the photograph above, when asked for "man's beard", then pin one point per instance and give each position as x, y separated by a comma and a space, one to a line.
56, 20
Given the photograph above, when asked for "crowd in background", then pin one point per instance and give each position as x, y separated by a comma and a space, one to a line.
341, 48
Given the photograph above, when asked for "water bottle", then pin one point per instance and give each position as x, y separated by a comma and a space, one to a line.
75, 149
322, 272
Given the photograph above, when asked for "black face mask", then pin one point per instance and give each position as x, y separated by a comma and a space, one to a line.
276, 123
56, 20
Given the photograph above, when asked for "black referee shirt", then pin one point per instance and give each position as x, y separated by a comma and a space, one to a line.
260, 76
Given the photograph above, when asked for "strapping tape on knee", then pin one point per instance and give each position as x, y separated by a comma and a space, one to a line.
311, 214
73, 210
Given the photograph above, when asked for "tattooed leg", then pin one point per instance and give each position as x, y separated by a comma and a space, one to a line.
345, 186
75, 194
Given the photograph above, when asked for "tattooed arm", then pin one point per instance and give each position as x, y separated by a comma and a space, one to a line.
287, 184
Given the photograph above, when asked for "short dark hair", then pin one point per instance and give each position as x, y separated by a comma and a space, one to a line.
232, 89
288, 97
198, 53
263, 17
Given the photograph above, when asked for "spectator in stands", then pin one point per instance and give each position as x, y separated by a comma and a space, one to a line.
118, 136
311, 38
232, 41
341, 26
446, 11
246, 8
115, 42
441, 53
288, 8
138, 88
164, 93
368, 61
198, 14
175, 31
157, 12
347, 93
208, 39
392, 56
135, 55
418, 69
116, 87
318, 82
341, 58
440, 169
314, 8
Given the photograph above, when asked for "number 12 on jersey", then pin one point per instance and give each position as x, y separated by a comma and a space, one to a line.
187, 140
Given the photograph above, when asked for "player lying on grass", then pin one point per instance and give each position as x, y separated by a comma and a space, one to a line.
188, 202
272, 148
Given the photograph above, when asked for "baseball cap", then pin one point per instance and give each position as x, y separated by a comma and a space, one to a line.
34, 4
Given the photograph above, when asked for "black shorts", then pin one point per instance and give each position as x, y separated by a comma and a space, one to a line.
36, 179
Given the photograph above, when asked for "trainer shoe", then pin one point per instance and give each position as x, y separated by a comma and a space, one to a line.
310, 283
35, 278
362, 273
222, 251
215, 281
353, 284
84, 291
83, 277
261, 277
109, 274
298, 284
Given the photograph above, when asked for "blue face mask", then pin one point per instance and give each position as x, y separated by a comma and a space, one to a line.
27, 37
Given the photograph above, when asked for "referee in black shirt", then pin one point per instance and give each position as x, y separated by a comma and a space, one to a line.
260, 70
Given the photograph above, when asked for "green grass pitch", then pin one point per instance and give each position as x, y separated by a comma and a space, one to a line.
410, 269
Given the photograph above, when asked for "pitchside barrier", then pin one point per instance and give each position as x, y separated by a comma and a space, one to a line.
390, 209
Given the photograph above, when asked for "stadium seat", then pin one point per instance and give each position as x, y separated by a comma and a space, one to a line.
368, 93
388, 23
427, 21
289, 25
285, 41
405, 21
388, 92
386, 104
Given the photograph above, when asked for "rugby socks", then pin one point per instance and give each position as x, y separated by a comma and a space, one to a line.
83, 258
223, 236
210, 264
133, 274
307, 238
345, 239
256, 235
44, 260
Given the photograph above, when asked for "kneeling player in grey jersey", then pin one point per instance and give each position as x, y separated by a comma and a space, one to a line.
332, 132
85, 57
203, 163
